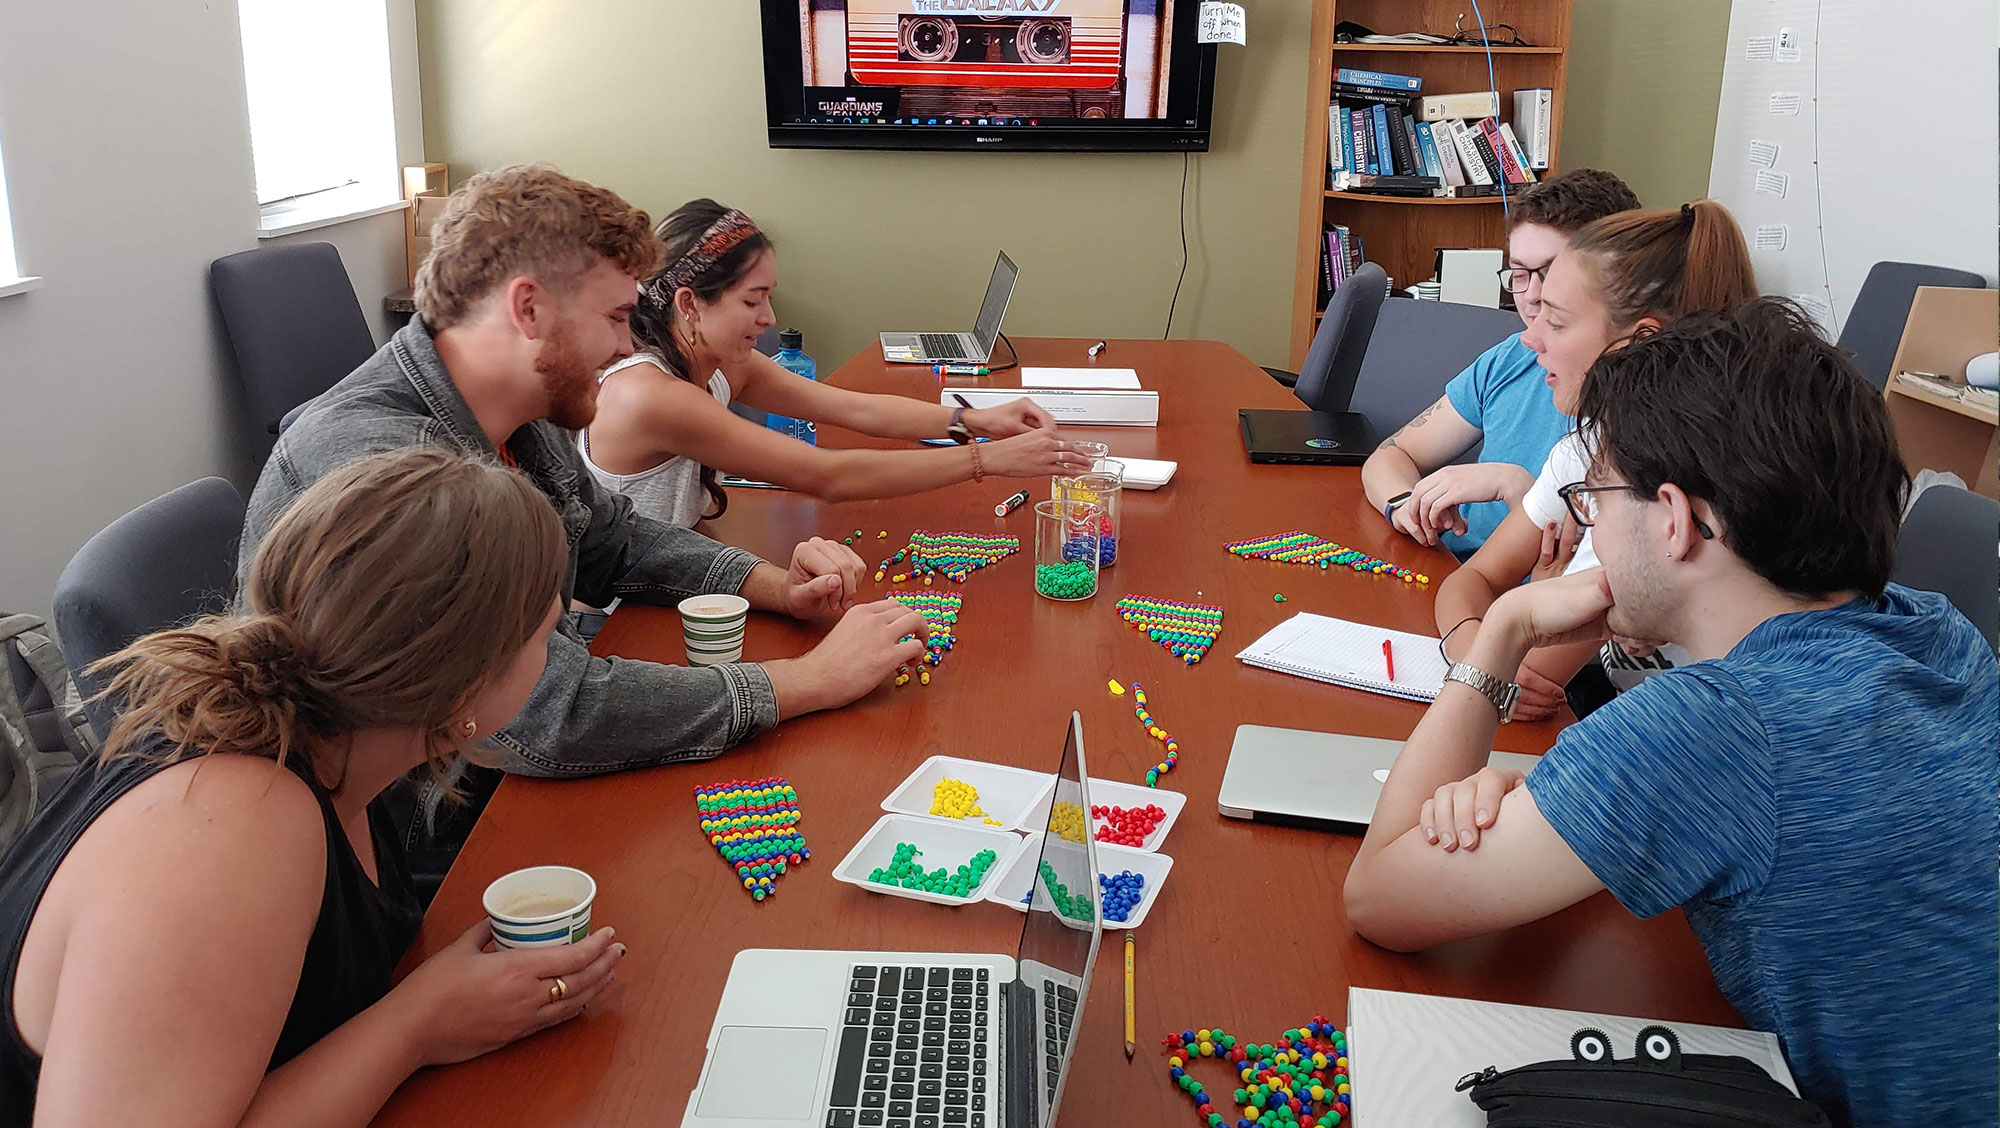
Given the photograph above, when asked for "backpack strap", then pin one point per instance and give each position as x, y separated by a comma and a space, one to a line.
45, 658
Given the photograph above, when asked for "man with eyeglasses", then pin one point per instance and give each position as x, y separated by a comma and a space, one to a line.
1817, 790
1501, 398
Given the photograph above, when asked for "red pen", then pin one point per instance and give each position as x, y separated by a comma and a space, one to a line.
1389, 659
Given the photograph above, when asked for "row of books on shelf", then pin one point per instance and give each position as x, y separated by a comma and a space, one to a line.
1385, 138
1340, 255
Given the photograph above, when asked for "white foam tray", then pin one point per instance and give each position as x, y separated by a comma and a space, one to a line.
1111, 793
1011, 887
1005, 794
940, 842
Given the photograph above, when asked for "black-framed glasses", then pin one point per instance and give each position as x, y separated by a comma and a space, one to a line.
1581, 501
1515, 279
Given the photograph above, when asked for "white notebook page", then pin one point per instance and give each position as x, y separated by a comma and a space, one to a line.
1350, 654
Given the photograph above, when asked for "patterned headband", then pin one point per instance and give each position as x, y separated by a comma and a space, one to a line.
722, 236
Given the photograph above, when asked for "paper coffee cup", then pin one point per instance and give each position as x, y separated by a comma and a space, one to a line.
540, 907
713, 627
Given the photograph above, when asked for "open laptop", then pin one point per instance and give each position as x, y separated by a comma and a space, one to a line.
975, 347
1313, 438
1319, 779
805, 1039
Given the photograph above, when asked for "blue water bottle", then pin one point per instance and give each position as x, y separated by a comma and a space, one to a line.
793, 359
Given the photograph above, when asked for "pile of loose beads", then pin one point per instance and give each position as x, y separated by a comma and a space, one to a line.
1066, 821
753, 824
1154, 730
904, 871
1303, 548
939, 609
1187, 630
1075, 907
1122, 892
957, 799
1126, 826
1075, 579
955, 555
1302, 1081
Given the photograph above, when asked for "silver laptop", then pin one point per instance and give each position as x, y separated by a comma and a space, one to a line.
805, 1039
1322, 779
975, 347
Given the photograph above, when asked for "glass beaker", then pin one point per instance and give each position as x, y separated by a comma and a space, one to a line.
1102, 487
1066, 549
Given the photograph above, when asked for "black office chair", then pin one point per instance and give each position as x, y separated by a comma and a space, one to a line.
168, 561
1326, 379
1950, 544
1875, 323
293, 322
1414, 351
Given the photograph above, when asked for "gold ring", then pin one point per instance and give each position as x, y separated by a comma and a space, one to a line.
558, 990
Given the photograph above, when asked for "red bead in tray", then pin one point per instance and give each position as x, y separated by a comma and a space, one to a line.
1126, 826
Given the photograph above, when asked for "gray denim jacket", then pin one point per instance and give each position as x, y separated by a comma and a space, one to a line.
587, 715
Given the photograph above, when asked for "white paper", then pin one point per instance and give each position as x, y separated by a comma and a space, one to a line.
1760, 48
1785, 103
1119, 378
1764, 153
1221, 23
1773, 236
1772, 183
1787, 50
1816, 307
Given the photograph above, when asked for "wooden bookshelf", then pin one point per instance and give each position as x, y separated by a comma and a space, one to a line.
1403, 234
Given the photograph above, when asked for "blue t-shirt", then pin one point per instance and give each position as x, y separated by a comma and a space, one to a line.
1505, 394
1822, 802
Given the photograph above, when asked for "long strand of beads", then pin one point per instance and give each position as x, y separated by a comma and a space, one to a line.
1154, 730
1298, 547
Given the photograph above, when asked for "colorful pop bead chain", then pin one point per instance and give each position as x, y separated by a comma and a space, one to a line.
1298, 547
1299, 1083
955, 555
1187, 630
754, 825
939, 609
1154, 730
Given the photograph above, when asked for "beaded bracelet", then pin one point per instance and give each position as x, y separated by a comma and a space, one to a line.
1302, 1081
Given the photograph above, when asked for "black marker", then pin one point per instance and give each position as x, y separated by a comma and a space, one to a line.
1011, 504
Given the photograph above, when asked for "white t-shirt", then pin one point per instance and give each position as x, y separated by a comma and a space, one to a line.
670, 491
1568, 462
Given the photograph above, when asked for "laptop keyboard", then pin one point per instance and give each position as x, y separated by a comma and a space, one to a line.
942, 344
913, 1049
1058, 1016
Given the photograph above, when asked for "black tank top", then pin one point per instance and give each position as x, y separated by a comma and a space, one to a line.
362, 931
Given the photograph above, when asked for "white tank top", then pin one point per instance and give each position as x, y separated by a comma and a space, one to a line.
671, 491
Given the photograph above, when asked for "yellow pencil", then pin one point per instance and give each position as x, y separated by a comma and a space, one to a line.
1129, 1034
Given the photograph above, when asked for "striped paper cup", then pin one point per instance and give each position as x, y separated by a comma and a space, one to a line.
713, 627
540, 907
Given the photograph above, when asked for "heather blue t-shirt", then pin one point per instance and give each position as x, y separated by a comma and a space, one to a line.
1822, 802
1504, 393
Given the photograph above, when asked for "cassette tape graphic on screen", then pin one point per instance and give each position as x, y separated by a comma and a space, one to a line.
1004, 61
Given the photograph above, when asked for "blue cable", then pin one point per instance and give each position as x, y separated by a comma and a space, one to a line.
1486, 41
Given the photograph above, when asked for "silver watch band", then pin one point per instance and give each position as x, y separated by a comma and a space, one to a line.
1502, 694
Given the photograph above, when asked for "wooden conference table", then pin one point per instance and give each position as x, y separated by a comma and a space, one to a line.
1248, 932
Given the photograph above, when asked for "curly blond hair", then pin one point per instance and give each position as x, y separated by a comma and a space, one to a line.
533, 220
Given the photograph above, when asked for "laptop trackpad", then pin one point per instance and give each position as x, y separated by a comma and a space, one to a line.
742, 1085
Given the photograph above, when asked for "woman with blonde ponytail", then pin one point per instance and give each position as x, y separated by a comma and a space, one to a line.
1621, 277
203, 929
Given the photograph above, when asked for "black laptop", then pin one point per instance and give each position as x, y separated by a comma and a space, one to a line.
1311, 438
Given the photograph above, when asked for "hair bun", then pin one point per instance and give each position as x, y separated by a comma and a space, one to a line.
263, 656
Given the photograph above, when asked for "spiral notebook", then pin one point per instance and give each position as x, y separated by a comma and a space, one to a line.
1350, 654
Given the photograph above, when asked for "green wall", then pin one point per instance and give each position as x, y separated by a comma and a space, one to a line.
664, 101
1645, 78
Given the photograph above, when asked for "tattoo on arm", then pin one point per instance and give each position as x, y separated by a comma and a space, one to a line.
1412, 424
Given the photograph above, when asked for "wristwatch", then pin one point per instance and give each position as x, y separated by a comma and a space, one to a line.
1502, 694
1389, 507
956, 429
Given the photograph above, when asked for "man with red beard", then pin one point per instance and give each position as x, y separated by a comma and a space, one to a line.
522, 301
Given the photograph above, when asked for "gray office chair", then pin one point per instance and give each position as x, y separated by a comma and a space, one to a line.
166, 562
293, 322
1326, 379
1415, 349
1948, 545
1875, 323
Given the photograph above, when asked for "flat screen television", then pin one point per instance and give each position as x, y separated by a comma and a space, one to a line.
1086, 75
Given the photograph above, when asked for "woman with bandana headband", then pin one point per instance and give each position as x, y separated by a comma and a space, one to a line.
664, 429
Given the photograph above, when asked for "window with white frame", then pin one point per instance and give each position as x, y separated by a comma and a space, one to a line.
322, 119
